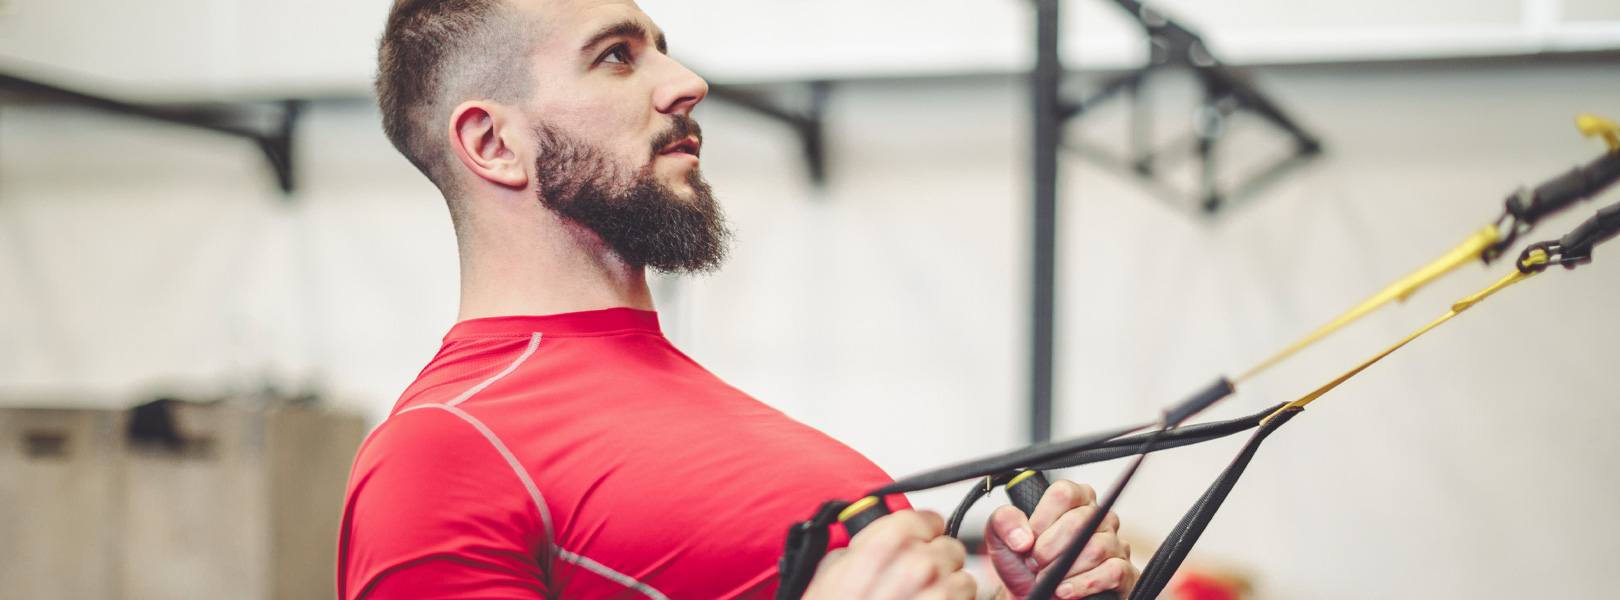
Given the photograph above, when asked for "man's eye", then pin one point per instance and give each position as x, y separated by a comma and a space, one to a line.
617, 55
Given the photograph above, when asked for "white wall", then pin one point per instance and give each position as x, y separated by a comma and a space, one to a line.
889, 308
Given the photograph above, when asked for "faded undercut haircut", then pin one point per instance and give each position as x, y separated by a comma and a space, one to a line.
436, 54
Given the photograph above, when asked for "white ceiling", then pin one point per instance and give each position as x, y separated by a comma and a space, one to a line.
231, 48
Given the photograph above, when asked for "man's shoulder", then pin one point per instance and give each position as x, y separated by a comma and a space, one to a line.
426, 437
437, 463
428, 490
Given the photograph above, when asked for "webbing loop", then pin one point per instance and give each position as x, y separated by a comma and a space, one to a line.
1179, 543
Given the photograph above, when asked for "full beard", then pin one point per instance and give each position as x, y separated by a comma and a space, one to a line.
640, 219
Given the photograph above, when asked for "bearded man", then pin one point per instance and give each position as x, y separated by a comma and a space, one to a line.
558, 446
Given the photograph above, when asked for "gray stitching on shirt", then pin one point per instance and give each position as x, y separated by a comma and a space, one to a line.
528, 483
511, 460
534, 342
605, 571
545, 513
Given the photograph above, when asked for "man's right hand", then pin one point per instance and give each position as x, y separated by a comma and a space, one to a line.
903, 556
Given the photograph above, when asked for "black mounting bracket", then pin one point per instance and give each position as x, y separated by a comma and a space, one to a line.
808, 123
1226, 91
270, 125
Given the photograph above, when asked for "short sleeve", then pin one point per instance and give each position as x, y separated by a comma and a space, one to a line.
435, 510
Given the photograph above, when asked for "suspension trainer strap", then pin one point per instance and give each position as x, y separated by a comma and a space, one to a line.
1174, 438
1181, 540
806, 546
1001, 463
1575, 248
1018, 459
1110, 450
1046, 585
1526, 269
1525, 207
1560, 192
953, 527
1466, 252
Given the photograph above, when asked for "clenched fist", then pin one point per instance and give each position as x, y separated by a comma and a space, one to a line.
903, 556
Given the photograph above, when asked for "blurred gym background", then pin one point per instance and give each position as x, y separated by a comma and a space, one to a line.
216, 275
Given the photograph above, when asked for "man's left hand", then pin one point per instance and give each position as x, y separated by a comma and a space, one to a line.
1022, 548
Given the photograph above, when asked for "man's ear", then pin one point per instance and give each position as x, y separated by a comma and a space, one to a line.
484, 138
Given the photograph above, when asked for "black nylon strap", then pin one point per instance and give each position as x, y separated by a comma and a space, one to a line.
807, 541
1558, 193
1112, 449
1041, 453
1576, 247
806, 545
954, 525
1175, 547
1174, 438
1046, 585
994, 465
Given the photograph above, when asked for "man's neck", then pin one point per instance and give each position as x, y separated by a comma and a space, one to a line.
530, 261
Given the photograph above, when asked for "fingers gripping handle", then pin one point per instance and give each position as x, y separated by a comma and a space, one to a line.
1025, 491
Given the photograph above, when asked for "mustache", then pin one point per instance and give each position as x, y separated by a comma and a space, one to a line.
680, 127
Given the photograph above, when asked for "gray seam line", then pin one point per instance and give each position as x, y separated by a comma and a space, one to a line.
539, 502
511, 461
609, 573
534, 342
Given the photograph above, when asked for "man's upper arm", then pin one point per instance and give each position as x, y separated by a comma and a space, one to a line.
436, 510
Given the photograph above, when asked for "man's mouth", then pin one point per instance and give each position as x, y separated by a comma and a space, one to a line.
686, 145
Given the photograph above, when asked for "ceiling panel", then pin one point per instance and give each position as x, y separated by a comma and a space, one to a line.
223, 48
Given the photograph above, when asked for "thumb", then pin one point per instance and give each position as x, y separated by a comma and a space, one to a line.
1009, 528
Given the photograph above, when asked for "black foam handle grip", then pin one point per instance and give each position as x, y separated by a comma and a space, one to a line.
1581, 182
1576, 247
1026, 489
862, 513
1025, 492
1220, 388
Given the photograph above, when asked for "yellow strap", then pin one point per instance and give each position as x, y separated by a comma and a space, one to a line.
1593, 125
1536, 257
1473, 247
1021, 476
857, 507
1464, 253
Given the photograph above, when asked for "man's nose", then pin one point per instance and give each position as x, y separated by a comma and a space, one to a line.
680, 89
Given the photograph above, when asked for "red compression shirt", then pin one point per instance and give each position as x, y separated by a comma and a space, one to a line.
581, 456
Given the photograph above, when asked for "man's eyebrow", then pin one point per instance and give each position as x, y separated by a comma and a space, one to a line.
626, 28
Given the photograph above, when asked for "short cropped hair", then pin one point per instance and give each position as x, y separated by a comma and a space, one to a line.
436, 54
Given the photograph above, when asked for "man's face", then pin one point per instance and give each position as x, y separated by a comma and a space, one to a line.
617, 150
644, 221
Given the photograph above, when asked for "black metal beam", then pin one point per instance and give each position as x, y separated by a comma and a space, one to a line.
235, 120
1049, 114
278, 147
1226, 90
809, 125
